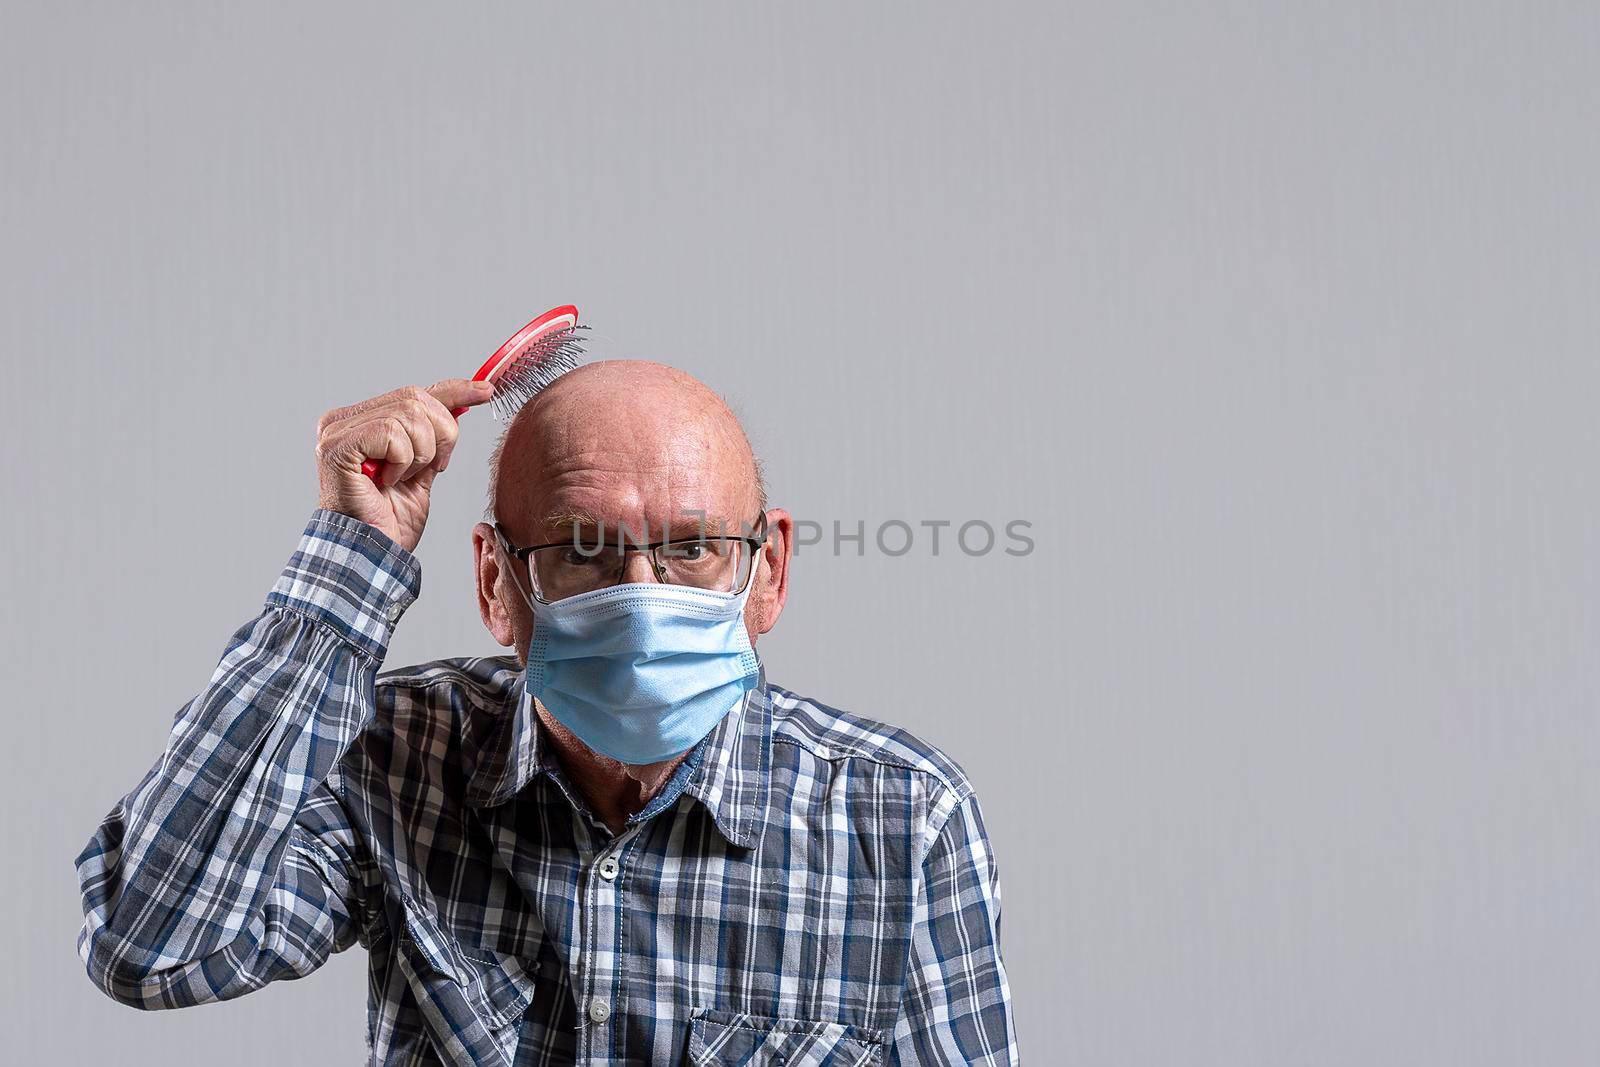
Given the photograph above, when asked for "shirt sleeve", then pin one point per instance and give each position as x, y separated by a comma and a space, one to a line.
232, 863
956, 1008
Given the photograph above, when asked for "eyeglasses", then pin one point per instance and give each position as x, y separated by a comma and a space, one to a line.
561, 569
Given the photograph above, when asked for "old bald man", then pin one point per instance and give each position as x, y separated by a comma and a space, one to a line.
620, 845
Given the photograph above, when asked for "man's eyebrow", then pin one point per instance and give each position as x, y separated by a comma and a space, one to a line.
560, 520
697, 523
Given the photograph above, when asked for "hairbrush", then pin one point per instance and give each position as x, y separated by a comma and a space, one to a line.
531, 359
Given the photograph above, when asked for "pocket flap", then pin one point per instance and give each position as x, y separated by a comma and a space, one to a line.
498, 985
722, 1037
504, 983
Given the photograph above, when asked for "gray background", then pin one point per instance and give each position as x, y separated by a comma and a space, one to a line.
1278, 324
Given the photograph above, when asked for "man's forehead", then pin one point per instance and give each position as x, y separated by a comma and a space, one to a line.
610, 496
687, 520
625, 442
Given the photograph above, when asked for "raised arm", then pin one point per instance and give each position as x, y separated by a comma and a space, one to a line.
232, 864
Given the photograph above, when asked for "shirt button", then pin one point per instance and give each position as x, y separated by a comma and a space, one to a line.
608, 868
599, 1010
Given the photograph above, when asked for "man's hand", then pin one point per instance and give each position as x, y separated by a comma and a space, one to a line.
410, 434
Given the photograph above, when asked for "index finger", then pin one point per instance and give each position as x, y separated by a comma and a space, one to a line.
461, 392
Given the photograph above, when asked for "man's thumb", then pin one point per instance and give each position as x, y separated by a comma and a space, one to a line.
461, 392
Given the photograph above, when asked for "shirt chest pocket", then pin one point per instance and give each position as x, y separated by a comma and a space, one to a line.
473, 999
720, 1038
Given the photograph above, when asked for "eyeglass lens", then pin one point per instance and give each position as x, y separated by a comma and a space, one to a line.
715, 563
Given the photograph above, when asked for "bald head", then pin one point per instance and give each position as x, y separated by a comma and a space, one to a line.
623, 442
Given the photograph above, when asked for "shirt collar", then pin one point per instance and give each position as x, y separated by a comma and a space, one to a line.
735, 771
504, 746
730, 776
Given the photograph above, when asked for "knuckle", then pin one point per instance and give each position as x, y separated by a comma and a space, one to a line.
415, 428
436, 409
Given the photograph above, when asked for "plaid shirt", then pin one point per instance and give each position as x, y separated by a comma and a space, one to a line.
809, 887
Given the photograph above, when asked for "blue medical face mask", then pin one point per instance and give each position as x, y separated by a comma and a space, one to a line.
640, 672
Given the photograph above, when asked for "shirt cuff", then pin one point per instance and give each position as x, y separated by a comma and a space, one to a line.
352, 576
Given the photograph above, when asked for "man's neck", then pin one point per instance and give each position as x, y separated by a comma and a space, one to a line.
612, 790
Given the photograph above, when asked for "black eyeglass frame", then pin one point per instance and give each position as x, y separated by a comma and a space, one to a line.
756, 542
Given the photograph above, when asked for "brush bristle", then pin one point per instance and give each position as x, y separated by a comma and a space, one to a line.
536, 366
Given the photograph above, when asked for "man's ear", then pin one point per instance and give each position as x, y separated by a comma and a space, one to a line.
771, 579
492, 605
